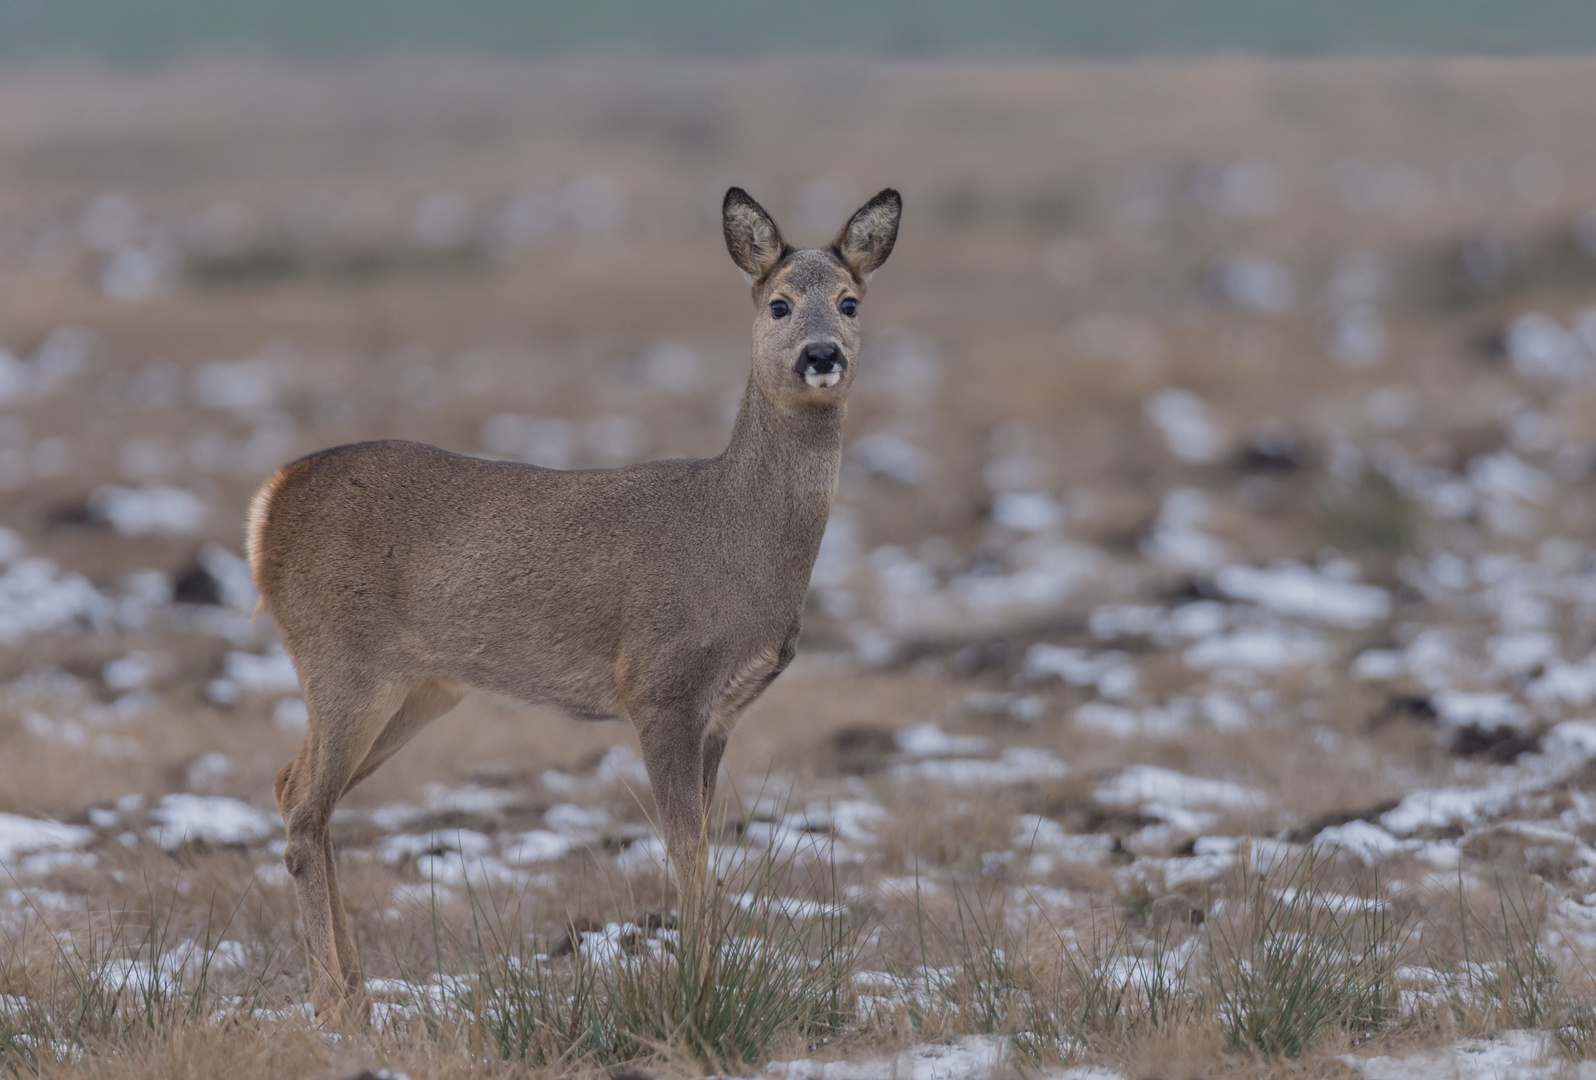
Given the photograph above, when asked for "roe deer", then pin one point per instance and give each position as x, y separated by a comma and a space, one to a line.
667, 593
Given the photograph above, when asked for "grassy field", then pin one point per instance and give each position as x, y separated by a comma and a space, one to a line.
1196, 672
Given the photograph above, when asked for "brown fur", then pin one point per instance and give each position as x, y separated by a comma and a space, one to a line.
667, 593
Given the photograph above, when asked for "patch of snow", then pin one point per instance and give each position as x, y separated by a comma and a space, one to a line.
1225, 713
240, 386
622, 765
1540, 350
1173, 796
1378, 665
851, 820
788, 906
1257, 283
577, 822
648, 856
1176, 541
1111, 672
131, 672
1257, 649
232, 577
1018, 765
928, 740
1046, 574
1159, 722
271, 673
1488, 712
1521, 651
147, 511
214, 819
60, 357
470, 799
1355, 335
1027, 511
973, 1057
464, 842
1505, 475
1440, 807
1182, 418
139, 271
209, 770
1564, 685
395, 816
889, 455
1571, 742
24, 836
291, 714
1192, 622
35, 599
1302, 592
1040, 835
535, 845
1511, 1055
611, 943
1109, 622
1026, 708
1197, 869
1363, 840
1339, 903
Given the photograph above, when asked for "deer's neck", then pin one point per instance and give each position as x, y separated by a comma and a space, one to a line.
783, 465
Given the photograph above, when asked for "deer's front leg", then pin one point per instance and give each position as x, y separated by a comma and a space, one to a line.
673, 752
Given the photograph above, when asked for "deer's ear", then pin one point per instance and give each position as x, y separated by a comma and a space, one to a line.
866, 241
752, 238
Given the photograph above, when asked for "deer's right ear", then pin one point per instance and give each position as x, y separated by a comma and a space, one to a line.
752, 238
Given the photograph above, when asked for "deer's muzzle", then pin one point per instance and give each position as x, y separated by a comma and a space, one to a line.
821, 365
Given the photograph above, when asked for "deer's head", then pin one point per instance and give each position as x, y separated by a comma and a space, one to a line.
806, 326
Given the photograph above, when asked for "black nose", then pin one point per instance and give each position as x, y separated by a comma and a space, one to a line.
821, 359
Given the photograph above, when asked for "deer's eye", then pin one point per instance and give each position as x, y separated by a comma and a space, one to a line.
849, 307
780, 309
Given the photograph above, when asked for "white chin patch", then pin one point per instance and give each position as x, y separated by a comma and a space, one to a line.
822, 379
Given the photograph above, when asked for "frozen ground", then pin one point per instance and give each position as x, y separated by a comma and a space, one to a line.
1206, 514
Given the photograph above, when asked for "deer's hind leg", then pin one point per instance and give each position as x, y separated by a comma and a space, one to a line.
348, 713
424, 704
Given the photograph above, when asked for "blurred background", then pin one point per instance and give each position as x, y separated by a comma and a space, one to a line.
1179, 288
1327, 303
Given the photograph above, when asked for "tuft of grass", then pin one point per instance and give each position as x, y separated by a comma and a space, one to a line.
1296, 962
735, 975
979, 989
1056, 993
112, 986
1507, 979
1127, 986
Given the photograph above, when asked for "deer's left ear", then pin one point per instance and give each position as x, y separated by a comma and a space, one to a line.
866, 241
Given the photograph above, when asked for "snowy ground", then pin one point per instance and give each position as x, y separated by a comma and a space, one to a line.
1159, 562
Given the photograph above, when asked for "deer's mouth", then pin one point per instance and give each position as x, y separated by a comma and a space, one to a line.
821, 366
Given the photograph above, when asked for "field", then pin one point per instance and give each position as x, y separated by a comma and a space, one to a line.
1197, 674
